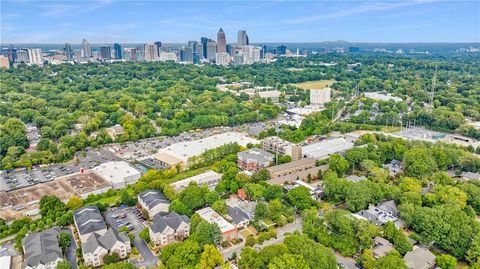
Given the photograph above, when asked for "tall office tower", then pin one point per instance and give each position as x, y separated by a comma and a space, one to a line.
194, 46
182, 55
188, 55
35, 56
130, 54
159, 47
22, 56
204, 42
140, 53
242, 38
12, 54
238, 58
4, 62
68, 52
221, 41
77, 55
151, 52
86, 49
211, 50
201, 56
105, 52
229, 49
222, 58
263, 52
256, 51
118, 51
281, 50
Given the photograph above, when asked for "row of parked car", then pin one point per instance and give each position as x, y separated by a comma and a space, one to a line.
120, 223
139, 215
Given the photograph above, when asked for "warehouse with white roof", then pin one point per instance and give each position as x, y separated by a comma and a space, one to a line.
118, 173
325, 148
179, 153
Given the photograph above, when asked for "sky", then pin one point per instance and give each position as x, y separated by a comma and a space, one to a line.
126, 21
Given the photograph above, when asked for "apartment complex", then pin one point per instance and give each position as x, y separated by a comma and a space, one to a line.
96, 240
168, 229
254, 159
42, 250
292, 171
153, 202
229, 231
277, 145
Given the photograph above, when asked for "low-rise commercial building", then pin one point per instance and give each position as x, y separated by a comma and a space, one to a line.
119, 173
178, 154
168, 229
42, 250
254, 159
229, 231
277, 145
325, 148
154, 202
292, 171
97, 246
209, 178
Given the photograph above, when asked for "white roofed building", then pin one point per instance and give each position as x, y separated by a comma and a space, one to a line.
209, 178
179, 153
325, 148
119, 173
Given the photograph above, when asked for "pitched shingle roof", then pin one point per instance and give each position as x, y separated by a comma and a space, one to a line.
89, 220
106, 241
42, 247
172, 220
237, 215
151, 198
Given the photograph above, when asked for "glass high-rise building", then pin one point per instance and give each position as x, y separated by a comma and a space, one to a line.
86, 49
105, 52
118, 51
204, 42
68, 52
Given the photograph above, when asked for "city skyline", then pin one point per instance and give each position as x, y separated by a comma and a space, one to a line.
101, 22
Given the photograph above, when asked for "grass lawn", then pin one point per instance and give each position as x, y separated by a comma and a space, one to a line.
315, 84
391, 129
245, 233
189, 173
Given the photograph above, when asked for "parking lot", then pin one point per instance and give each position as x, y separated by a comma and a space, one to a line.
137, 151
131, 217
20, 178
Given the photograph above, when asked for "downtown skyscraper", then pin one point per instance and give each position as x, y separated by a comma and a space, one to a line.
242, 38
221, 41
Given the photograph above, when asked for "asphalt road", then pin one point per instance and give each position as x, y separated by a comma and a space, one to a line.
149, 259
71, 251
345, 262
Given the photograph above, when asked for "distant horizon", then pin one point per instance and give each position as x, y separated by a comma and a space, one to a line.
116, 21
259, 43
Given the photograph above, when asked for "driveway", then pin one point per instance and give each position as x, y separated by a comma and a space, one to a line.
289, 228
346, 262
149, 259
71, 251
